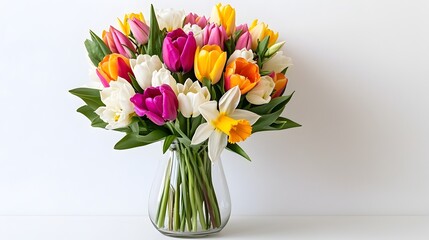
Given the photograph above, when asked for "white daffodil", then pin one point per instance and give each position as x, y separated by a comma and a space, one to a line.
261, 93
277, 63
191, 95
170, 19
227, 124
163, 76
143, 68
118, 110
197, 31
243, 53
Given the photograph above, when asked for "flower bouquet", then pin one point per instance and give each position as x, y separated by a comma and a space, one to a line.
198, 84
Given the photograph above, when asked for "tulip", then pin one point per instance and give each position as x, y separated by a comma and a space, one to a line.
277, 63
224, 15
113, 66
196, 30
163, 76
159, 104
274, 49
140, 30
144, 67
227, 124
194, 19
209, 63
280, 83
261, 93
178, 50
191, 96
118, 42
118, 110
214, 35
245, 39
259, 31
170, 19
243, 74
125, 23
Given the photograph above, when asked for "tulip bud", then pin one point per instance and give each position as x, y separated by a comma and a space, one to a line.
118, 42
209, 63
224, 15
140, 30
280, 83
125, 27
259, 31
214, 35
194, 19
178, 50
244, 41
273, 49
113, 66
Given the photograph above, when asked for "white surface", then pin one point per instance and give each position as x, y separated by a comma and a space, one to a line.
267, 228
361, 82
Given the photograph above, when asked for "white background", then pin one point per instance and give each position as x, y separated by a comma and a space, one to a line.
362, 95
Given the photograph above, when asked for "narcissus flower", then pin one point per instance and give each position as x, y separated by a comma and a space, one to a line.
227, 124
124, 25
259, 30
113, 66
118, 109
209, 63
159, 104
178, 50
224, 15
261, 93
243, 74
118, 42
191, 95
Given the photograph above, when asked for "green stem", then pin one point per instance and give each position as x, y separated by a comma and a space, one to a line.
191, 193
185, 192
176, 215
165, 194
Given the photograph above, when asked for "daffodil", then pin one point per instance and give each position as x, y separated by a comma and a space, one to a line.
227, 124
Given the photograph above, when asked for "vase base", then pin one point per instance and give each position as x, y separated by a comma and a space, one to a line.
197, 234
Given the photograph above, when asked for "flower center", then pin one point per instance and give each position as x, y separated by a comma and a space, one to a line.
117, 116
237, 130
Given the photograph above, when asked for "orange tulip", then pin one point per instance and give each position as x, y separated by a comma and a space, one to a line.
243, 74
113, 66
280, 82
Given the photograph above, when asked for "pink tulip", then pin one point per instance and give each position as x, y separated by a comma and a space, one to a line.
140, 30
214, 35
159, 104
178, 50
245, 39
193, 18
118, 42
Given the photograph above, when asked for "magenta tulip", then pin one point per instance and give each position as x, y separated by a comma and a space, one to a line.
178, 50
214, 35
193, 18
140, 30
118, 42
159, 104
245, 39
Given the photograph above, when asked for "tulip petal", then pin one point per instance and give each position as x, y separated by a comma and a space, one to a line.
209, 111
244, 114
155, 118
202, 133
169, 107
229, 101
188, 52
103, 78
185, 105
170, 55
217, 70
217, 143
123, 69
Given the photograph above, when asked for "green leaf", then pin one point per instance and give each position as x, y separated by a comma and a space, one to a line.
135, 84
132, 140
103, 47
273, 105
154, 45
96, 49
280, 124
237, 149
167, 142
89, 95
266, 120
92, 116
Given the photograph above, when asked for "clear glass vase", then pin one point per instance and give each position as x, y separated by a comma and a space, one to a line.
189, 196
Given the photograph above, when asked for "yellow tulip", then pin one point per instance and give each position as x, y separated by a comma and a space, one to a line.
224, 15
259, 30
209, 62
125, 27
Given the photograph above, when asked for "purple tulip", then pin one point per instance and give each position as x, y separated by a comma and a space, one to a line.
193, 18
140, 30
159, 104
178, 50
118, 42
214, 35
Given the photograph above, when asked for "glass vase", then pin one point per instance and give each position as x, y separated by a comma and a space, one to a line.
189, 196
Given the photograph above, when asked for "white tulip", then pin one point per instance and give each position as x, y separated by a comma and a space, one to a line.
277, 63
143, 68
163, 76
197, 31
170, 19
191, 95
118, 110
261, 93
243, 53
